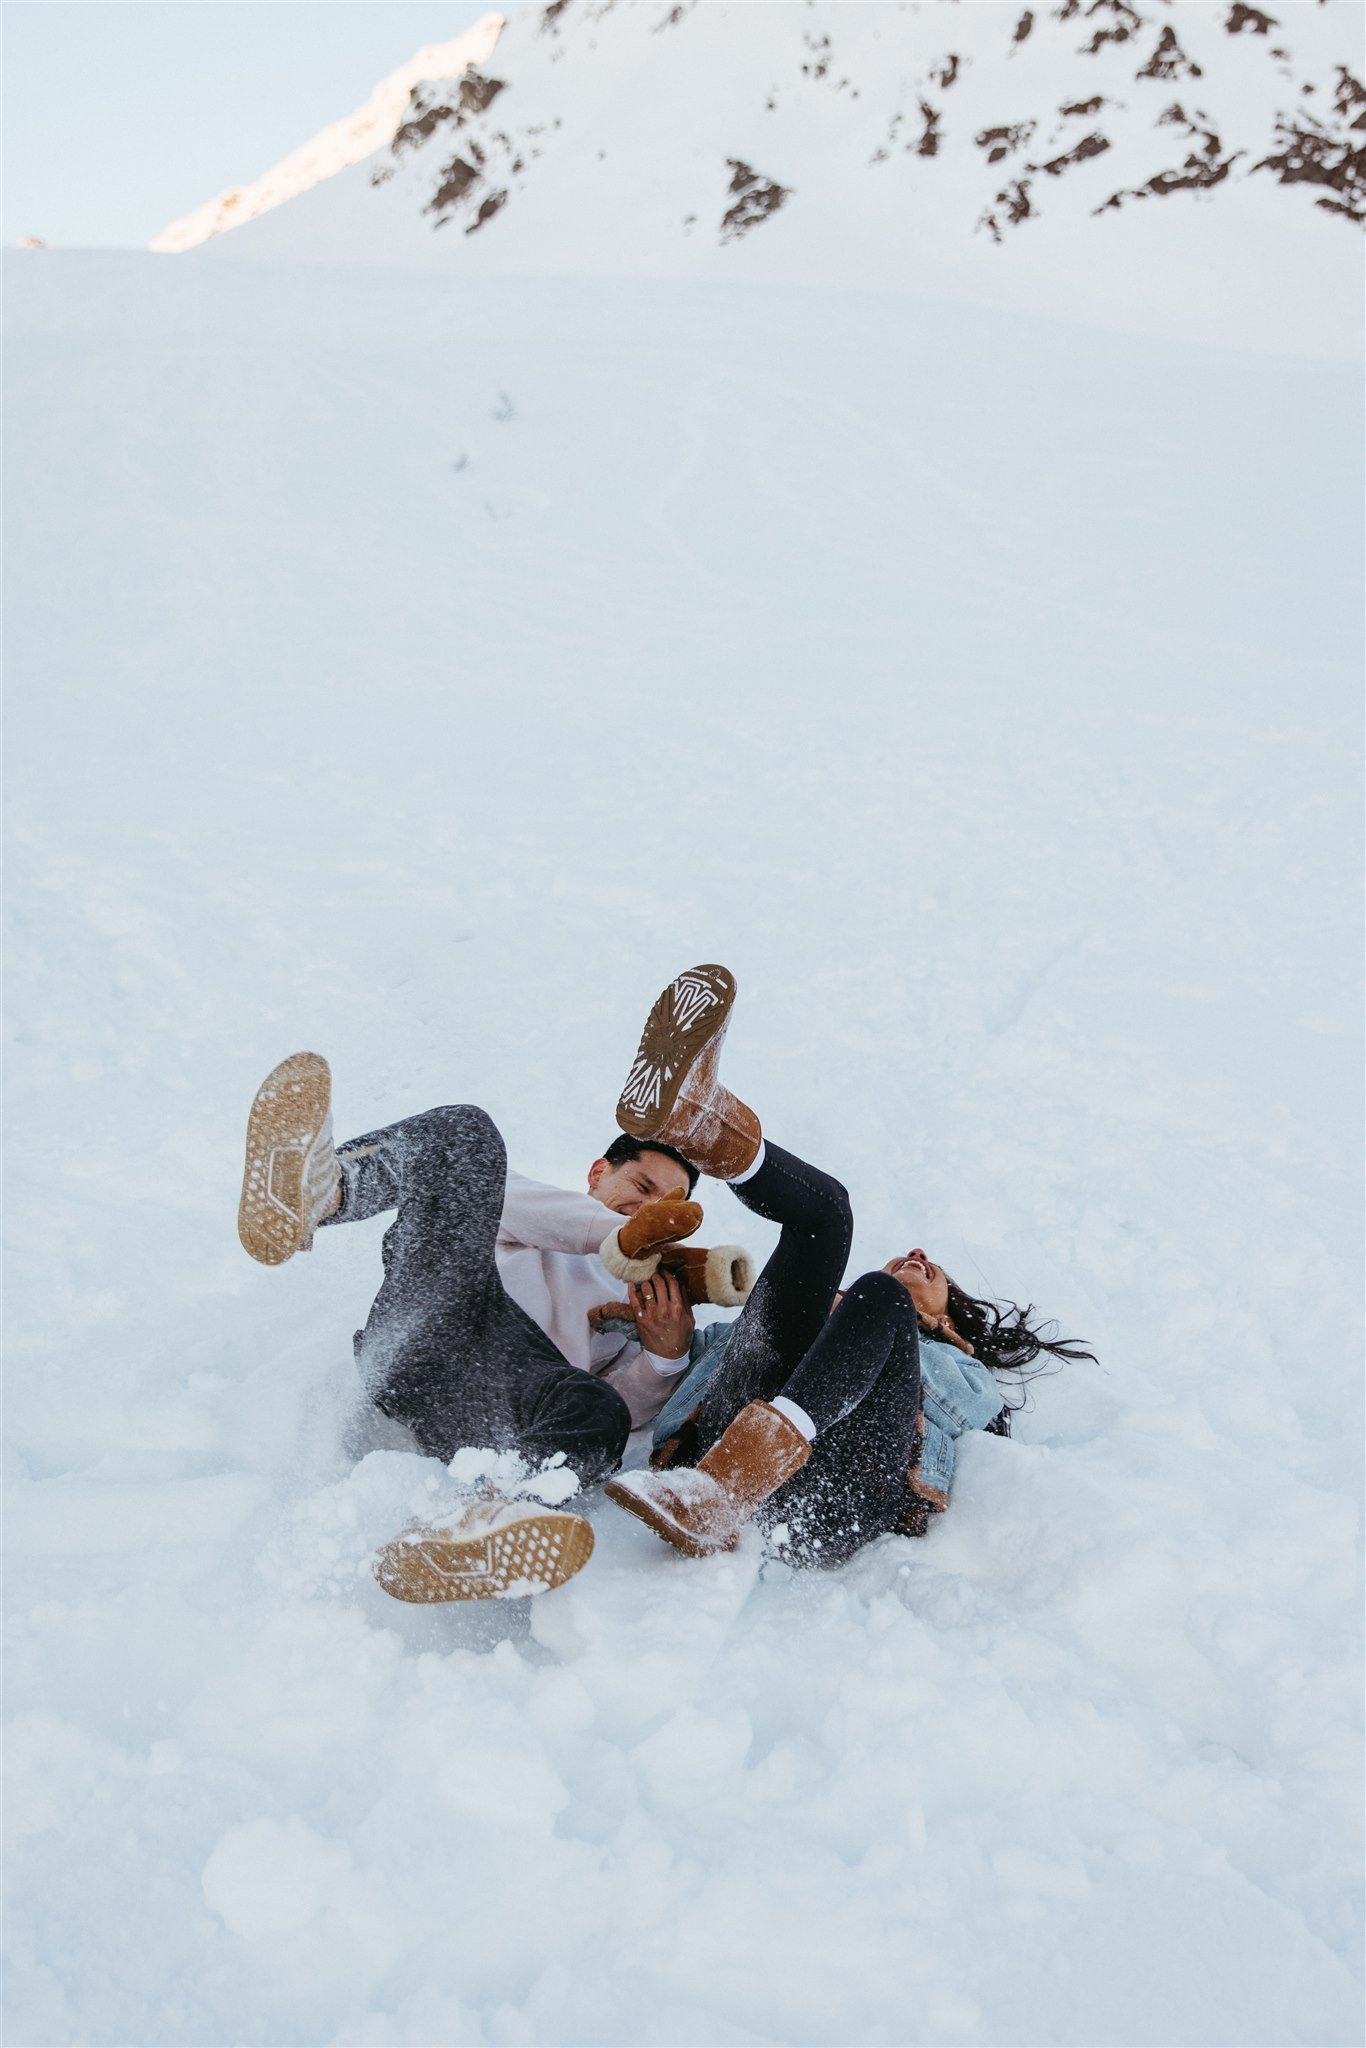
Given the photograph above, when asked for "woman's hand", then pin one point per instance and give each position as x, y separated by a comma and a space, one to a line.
663, 1319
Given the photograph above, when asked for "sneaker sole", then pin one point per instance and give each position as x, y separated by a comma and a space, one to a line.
289, 1111
647, 1511
530, 1556
689, 1016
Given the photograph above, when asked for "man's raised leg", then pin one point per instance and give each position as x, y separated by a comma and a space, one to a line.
444, 1350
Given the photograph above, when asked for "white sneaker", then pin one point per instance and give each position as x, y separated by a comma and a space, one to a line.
493, 1551
291, 1178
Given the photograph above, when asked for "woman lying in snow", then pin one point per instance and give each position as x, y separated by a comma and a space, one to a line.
831, 1417
859, 1437
881, 1396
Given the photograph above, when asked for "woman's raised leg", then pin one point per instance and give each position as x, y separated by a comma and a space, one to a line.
792, 1297
859, 1386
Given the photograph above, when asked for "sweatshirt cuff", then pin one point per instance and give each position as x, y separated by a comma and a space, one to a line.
667, 1368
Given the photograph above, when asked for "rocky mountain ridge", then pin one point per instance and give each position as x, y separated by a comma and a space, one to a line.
341, 143
940, 118
1317, 138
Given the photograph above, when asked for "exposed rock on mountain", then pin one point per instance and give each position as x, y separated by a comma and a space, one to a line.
1314, 153
758, 198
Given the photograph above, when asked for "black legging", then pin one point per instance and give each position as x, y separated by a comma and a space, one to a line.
856, 1372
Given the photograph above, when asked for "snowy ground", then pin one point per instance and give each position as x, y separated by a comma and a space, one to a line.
422, 676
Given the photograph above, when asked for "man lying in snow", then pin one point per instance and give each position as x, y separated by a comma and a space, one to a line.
486, 1332
483, 1332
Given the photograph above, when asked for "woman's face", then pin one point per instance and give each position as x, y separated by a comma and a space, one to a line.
926, 1283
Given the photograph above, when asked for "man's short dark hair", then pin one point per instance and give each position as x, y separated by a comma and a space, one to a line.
623, 1149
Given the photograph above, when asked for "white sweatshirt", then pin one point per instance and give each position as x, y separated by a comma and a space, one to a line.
547, 1257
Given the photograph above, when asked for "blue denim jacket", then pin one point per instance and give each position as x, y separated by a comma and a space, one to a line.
958, 1394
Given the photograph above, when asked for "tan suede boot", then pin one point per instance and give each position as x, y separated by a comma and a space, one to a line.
673, 1091
703, 1509
495, 1550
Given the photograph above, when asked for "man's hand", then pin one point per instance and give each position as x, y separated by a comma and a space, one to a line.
663, 1319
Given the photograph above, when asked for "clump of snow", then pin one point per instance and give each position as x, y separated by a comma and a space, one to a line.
424, 677
265, 1878
511, 1478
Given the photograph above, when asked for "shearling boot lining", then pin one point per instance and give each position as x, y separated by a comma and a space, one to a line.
730, 1276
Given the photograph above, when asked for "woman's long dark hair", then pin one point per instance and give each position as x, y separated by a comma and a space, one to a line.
1004, 1338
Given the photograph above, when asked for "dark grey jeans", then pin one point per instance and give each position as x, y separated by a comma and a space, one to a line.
445, 1350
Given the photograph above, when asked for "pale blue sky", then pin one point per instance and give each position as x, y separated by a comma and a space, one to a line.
120, 115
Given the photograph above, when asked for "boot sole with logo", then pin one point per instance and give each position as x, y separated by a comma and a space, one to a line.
688, 1018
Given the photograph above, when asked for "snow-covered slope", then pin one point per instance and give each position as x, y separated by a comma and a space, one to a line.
372, 126
423, 676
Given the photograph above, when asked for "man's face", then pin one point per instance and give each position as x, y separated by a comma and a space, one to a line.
623, 1188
